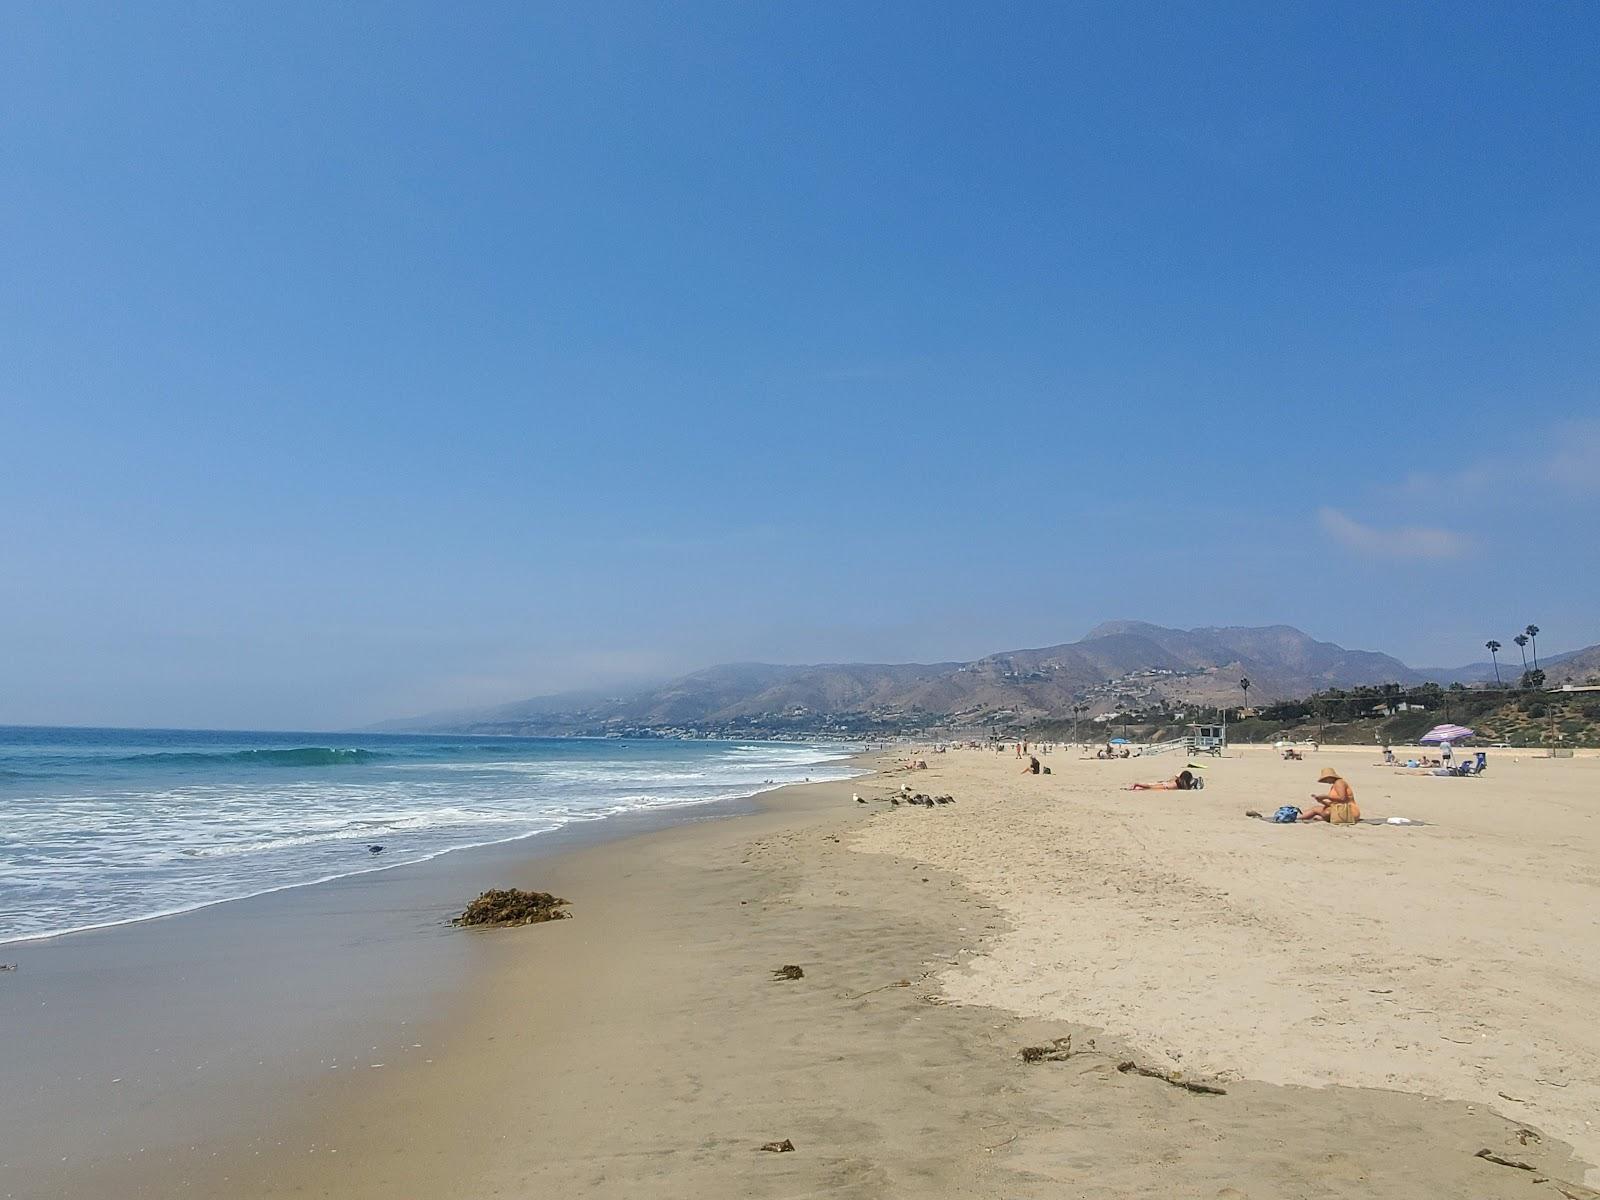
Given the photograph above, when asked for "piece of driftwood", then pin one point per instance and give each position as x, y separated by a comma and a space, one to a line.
789, 971
1572, 1191
1200, 1089
898, 983
881, 988
1490, 1156
783, 1147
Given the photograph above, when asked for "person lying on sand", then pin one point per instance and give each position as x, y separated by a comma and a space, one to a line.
1183, 781
1337, 805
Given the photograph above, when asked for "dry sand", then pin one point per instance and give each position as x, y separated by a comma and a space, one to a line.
1459, 959
643, 1048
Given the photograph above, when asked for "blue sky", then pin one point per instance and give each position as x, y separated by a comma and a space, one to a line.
362, 360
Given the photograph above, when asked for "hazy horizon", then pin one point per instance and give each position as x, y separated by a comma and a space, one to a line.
621, 685
360, 363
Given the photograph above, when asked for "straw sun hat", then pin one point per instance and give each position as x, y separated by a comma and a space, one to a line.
1328, 775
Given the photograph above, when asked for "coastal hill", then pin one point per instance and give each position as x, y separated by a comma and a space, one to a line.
1119, 664
1580, 666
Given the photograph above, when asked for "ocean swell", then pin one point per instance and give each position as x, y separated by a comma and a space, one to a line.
296, 756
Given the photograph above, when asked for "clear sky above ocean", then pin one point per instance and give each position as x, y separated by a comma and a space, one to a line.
362, 360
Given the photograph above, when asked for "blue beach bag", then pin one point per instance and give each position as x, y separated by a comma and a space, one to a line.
1287, 815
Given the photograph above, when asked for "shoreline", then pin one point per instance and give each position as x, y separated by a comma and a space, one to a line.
168, 1032
643, 1047
26, 939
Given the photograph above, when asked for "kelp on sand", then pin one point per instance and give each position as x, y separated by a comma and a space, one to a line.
513, 906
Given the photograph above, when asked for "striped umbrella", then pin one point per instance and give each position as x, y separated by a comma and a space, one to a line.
1445, 733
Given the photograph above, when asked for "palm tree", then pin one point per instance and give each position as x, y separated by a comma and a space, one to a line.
1493, 647
1522, 644
1533, 636
1244, 686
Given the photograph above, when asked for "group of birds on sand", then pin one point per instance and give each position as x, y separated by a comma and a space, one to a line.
906, 796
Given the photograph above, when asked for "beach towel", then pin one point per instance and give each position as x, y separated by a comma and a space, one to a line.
1286, 815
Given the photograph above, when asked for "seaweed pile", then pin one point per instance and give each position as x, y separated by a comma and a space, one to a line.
1057, 1051
513, 906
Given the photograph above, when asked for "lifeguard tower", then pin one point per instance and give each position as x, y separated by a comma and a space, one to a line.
1208, 739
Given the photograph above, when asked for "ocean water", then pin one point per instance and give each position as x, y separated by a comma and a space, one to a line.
101, 826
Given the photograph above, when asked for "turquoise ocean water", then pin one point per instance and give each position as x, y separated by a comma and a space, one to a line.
100, 826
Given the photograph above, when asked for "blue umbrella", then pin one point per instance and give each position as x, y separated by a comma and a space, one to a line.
1120, 742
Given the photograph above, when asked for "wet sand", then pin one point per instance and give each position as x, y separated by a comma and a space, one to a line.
644, 1048
148, 1050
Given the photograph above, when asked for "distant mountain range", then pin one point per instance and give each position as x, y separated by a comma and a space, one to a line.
1118, 664
1578, 666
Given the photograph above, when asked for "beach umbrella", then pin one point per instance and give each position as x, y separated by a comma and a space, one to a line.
1445, 733
1119, 742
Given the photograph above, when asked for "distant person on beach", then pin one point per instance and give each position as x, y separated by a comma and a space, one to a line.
1446, 751
1183, 781
1337, 805
1033, 766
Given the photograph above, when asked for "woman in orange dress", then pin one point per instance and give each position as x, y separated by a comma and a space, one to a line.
1337, 805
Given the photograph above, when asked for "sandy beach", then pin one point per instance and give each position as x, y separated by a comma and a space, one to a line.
645, 1048
1457, 959
1375, 1004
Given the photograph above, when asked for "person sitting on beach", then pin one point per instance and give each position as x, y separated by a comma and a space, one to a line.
1183, 781
1337, 805
1033, 766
